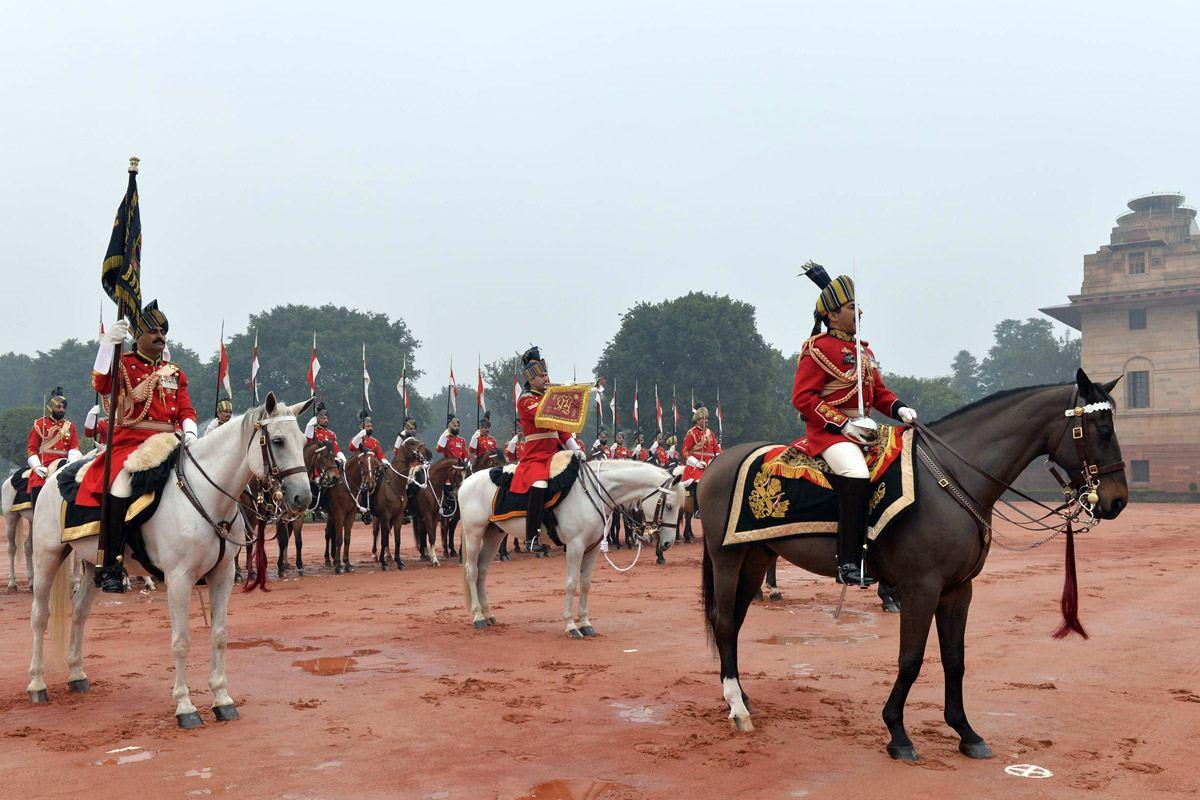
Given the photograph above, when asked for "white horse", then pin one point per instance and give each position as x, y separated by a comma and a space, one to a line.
12, 523
602, 488
179, 541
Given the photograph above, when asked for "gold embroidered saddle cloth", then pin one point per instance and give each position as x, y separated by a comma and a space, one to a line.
782, 491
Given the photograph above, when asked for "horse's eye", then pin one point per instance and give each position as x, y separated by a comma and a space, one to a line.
277, 440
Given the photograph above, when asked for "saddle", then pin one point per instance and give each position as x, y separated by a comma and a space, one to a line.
156, 465
564, 471
782, 491
20, 481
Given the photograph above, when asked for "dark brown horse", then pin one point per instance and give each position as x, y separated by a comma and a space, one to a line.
347, 498
318, 458
437, 506
392, 497
932, 553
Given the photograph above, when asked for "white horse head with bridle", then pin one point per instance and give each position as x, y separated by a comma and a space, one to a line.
603, 488
186, 538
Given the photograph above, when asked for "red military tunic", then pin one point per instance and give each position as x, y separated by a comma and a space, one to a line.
700, 444
601, 450
454, 446
50, 440
540, 445
324, 434
660, 455
514, 450
620, 451
482, 443
99, 433
826, 388
153, 398
368, 444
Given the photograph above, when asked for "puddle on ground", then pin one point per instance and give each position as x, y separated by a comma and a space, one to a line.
574, 789
335, 665
847, 639
279, 647
127, 755
803, 669
641, 714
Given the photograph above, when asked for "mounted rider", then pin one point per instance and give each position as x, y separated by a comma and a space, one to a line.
52, 437
318, 430
409, 431
826, 393
224, 414
95, 427
699, 448
639, 451
516, 445
365, 442
533, 470
482, 441
451, 444
152, 398
600, 447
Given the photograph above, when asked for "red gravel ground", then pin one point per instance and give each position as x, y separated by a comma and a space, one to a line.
375, 685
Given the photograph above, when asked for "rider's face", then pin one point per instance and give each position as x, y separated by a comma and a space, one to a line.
540, 382
845, 319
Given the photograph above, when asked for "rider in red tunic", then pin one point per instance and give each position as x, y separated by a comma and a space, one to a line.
699, 448
152, 397
95, 427
533, 470
601, 448
482, 441
451, 444
365, 442
825, 393
619, 449
51, 438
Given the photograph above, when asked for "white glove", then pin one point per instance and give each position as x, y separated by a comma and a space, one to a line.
907, 415
340, 457
73, 455
92, 415
692, 461
40, 470
34, 462
357, 440
860, 431
310, 427
385, 462
190, 431
116, 334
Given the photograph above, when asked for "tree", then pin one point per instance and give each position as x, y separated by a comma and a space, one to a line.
964, 378
933, 398
1027, 354
697, 342
15, 424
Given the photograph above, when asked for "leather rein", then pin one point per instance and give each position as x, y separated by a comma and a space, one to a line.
606, 501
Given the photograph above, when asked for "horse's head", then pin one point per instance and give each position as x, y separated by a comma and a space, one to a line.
363, 469
661, 510
1088, 450
277, 452
410, 451
320, 460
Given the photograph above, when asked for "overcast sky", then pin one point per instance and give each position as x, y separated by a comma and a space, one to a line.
501, 173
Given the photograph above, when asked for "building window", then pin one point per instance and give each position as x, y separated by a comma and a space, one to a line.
1137, 263
1140, 471
1138, 393
1137, 319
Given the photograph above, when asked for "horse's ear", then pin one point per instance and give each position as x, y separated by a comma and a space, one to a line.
1108, 387
269, 406
1083, 382
300, 408
675, 479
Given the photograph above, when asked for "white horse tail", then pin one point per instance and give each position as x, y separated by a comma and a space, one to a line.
60, 613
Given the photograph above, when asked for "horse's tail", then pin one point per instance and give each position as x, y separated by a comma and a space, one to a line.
708, 592
60, 610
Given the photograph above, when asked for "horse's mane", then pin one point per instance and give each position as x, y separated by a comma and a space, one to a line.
996, 397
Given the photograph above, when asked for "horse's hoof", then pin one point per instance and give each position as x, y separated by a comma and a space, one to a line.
400, 565
373, 551
902, 752
338, 570
574, 633
225, 713
741, 724
660, 560
891, 606
480, 624
237, 578
349, 568
300, 572
776, 596
978, 749
492, 621
79, 686
38, 697
383, 566
588, 630
190, 721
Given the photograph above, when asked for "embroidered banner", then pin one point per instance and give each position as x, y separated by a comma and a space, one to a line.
564, 408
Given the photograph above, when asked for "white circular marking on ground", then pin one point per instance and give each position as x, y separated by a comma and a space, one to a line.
1028, 771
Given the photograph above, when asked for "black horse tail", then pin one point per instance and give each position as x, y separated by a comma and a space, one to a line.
708, 592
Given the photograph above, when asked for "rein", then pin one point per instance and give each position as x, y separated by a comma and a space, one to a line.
603, 501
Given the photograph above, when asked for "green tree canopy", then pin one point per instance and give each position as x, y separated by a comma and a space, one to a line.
15, 424
1027, 354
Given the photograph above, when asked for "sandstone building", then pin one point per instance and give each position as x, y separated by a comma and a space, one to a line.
1139, 314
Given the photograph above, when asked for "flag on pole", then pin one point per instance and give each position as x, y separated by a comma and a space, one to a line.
314, 367
612, 406
720, 416
452, 392
516, 394
254, 368
674, 410
402, 384
480, 391
223, 367
121, 272
101, 318
657, 409
636, 422
366, 381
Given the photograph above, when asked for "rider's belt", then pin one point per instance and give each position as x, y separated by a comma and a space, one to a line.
149, 425
53, 452
533, 437
702, 453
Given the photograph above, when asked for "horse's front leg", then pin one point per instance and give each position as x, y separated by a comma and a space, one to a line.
77, 680
587, 567
346, 541
11, 521
299, 540
220, 584
575, 548
920, 602
952, 630
179, 598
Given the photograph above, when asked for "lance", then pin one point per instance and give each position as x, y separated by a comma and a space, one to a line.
220, 345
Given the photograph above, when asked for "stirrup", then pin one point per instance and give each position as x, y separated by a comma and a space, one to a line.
534, 546
113, 580
853, 575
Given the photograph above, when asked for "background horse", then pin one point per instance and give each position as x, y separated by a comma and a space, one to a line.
391, 497
932, 553
347, 498
602, 487
181, 542
436, 504
13, 521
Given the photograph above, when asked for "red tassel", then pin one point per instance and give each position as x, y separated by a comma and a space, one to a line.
260, 563
1070, 595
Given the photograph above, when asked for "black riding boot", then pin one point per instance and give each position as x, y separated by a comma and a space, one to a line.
533, 518
110, 576
688, 537
853, 494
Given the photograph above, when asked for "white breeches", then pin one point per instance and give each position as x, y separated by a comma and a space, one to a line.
846, 459
122, 485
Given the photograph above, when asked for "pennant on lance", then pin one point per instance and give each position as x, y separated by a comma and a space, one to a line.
121, 273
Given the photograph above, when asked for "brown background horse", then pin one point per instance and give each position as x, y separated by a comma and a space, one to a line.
359, 474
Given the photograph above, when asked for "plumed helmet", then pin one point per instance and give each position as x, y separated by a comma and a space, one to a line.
451, 418
151, 318
532, 364
225, 404
835, 292
322, 411
699, 412
57, 401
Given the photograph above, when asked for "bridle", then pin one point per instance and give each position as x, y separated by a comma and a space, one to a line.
602, 500
271, 485
1077, 512
362, 481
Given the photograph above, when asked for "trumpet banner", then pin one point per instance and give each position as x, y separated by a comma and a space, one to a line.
564, 408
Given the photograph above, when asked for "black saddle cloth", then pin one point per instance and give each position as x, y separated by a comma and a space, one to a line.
146, 484
507, 504
21, 483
